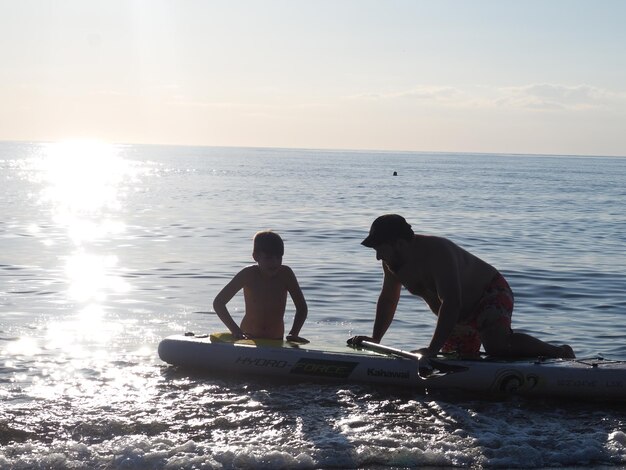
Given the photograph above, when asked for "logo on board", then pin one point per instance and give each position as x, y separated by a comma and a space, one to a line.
323, 368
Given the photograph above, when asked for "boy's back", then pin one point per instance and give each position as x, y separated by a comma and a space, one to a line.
265, 298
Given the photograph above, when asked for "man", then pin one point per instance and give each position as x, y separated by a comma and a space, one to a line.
471, 299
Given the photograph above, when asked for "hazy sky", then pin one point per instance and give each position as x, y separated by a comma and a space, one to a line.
531, 76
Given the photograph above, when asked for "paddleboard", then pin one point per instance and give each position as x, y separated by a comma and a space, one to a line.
592, 378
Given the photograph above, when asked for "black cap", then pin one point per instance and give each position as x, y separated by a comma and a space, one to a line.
386, 228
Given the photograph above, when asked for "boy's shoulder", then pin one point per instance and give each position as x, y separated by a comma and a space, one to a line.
250, 269
287, 271
254, 269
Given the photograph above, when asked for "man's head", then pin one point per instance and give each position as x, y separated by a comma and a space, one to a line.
388, 229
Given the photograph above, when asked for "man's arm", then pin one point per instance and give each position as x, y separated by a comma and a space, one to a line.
447, 280
386, 305
385, 309
219, 304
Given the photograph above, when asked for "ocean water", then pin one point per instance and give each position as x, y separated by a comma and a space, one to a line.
108, 249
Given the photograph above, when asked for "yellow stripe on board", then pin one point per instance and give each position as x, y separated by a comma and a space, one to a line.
228, 338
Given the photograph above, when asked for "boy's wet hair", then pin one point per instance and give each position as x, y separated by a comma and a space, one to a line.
268, 242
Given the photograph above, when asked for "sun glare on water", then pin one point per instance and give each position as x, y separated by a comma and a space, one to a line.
90, 277
83, 185
82, 178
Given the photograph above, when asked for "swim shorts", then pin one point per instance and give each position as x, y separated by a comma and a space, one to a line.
495, 307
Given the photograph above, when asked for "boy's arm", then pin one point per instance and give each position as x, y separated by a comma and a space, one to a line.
302, 309
219, 304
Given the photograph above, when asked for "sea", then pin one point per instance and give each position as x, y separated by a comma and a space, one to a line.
107, 249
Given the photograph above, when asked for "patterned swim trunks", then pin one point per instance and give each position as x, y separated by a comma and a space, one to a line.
495, 307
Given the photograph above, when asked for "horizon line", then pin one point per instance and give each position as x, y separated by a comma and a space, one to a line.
310, 149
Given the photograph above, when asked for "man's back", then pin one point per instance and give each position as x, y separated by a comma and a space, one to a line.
433, 262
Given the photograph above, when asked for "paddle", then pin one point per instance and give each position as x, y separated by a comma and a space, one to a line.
424, 367
427, 368
389, 350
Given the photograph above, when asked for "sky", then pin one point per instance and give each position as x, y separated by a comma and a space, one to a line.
497, 76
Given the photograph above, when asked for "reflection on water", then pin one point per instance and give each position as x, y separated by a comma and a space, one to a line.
91, 276
82, 177
89, 328
83, 184
23, 347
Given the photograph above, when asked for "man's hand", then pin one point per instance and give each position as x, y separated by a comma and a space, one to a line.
425, 353
425, 369
357, 340
297, 339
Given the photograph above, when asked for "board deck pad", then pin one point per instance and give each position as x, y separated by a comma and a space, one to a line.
227, 337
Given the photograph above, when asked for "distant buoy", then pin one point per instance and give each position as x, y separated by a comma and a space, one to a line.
395, 173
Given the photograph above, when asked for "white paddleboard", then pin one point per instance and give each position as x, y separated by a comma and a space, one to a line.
595, 378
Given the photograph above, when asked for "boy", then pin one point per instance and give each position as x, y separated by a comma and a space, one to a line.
265, 286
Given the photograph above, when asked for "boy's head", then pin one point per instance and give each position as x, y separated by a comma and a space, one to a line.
269, 243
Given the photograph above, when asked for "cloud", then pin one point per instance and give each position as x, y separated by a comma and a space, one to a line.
543, 96
435, 94
547, 96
